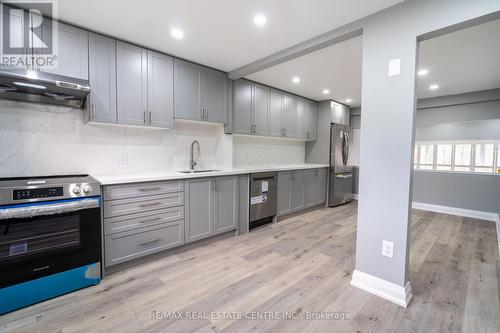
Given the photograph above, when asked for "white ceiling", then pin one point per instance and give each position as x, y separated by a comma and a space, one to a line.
337, 68
217, 33
463, 61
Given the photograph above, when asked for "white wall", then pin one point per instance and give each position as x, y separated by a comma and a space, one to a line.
252, 151
42, 140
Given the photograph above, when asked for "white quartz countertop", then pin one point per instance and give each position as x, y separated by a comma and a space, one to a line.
170, 175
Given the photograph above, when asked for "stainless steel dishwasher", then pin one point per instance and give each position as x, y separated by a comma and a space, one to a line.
263, 197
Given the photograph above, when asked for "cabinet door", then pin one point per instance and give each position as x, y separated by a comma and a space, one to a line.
226, 202
131, 84
215, 95
187, 90
200, 210
289, 116
275, 114
298, 190
311, 184
160, 90
243, 96
300, 118
312, 120
261, 110
102, 98
339, 113
71, 49
321, 187
284, 192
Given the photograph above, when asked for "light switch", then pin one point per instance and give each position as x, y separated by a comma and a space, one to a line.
394, 67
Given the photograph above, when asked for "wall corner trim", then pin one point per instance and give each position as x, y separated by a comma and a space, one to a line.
475, 214
382, 288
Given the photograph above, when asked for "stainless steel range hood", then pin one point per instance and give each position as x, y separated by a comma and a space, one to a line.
40, 87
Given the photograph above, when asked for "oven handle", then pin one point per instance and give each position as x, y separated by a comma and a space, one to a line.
48, 209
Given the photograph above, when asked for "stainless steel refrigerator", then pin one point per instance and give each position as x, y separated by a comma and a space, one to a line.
340, 177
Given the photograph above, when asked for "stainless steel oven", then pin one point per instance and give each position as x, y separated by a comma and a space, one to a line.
50, 237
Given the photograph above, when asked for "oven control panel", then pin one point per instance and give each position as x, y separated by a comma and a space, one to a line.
37, 193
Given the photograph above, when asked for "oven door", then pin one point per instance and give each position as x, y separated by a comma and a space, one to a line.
42, 239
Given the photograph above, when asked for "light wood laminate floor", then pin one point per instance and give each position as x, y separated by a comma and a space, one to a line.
299, 265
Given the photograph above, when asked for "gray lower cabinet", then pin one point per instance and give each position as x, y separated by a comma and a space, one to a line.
131, 84
300, 189
141, 219
200, 208
101, 105
285, 192
211, 206
226, 191
200, 93
314, 187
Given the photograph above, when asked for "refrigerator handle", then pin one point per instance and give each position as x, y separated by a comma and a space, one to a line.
346, 147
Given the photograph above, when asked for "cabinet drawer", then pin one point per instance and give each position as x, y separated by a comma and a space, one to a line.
134, 221
125, 246
138, 205
143, 189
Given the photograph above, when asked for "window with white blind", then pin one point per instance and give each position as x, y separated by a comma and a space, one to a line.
476, 156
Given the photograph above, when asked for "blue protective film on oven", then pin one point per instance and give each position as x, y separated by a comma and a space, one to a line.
35, 291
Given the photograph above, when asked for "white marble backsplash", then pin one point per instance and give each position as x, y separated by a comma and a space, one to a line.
255, 151
48, 140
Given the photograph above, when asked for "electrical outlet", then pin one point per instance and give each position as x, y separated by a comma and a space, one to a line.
387, 248
124, 159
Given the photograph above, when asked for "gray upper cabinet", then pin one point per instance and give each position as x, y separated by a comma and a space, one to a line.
300, 118
160, 90
298, 190
131, 84
243, 106
102, 64
187, 90
284, 192
340, 114
311, 120
275, 114
200, 208
261, 110
199, 93
72, 51
226, 189
288, 108
214, 95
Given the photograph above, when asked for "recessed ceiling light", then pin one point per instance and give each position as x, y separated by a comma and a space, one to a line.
326, 91
433, 86
260, 20
177, 33
423, 72
348, 100
296, 79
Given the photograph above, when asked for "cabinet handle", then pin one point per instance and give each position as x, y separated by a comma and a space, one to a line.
284, 131
202, 113
150, 189
215, 184
92, 110
149, 241
149, 117
151, 220
144, 117
151, 204
206, 113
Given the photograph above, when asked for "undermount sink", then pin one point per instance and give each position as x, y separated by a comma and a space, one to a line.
197, 171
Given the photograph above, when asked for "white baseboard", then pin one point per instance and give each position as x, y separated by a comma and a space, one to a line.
476, 214
354, 196
498, 232
382, 288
